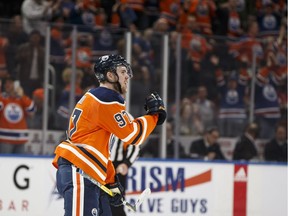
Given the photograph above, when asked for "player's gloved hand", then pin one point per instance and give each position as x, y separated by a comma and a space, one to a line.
154, 105
118, 191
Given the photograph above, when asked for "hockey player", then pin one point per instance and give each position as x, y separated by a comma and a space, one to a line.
97, 115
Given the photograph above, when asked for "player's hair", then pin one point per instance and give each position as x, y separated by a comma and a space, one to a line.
252, 128
211, 129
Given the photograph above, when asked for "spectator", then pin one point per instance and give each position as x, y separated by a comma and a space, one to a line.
67, 8
148, 45
83, 52
277, 57
208, 69
276, 148
88, 15
249, 45
63, 112
138, 8
152, 147
197, 127
269, 21
140, 86
57, 50
84, 58
3, 61
125, 15
141, 55
207, 147
93, 9
190, 118
152, 11
206, 107
197, 48
108, 9
229, 19
267, 107
35, 122
35, 13
30, 63
15, 107
160, 27
169, 12
245, 147
103, 43
16, 36
186, 116
232, 110
204, 11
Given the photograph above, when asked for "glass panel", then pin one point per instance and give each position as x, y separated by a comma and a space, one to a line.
225, 82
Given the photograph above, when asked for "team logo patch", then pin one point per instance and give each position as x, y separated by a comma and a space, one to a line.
232, 97
104, 58
13, 113
270, 93
94, 212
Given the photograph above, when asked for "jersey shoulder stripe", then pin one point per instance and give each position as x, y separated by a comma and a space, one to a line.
106, 95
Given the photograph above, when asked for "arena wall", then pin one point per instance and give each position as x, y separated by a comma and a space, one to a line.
180, 187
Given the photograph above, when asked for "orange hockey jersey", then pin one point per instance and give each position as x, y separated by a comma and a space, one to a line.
83, 57
98, 115
13, 113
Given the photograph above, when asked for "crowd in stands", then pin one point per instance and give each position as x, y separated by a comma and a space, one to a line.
223, 43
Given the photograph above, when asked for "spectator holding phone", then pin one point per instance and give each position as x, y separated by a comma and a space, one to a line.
15, 107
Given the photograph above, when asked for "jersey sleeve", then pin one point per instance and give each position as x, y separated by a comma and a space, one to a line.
132, 131
28, 104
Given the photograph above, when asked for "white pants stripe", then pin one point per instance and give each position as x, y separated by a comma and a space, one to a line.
78, 193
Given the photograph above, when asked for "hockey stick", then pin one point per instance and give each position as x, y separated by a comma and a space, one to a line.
142, 197
134, 207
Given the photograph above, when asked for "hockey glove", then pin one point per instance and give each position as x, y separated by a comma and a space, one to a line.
154, 105
118, 191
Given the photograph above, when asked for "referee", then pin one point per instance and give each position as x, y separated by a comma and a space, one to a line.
123, 156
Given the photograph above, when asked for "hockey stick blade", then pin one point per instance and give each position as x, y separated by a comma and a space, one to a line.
142, 197
139, 201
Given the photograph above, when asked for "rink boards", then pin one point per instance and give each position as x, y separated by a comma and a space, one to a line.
178, 188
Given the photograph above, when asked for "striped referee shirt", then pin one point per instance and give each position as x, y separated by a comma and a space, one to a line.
122, 152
